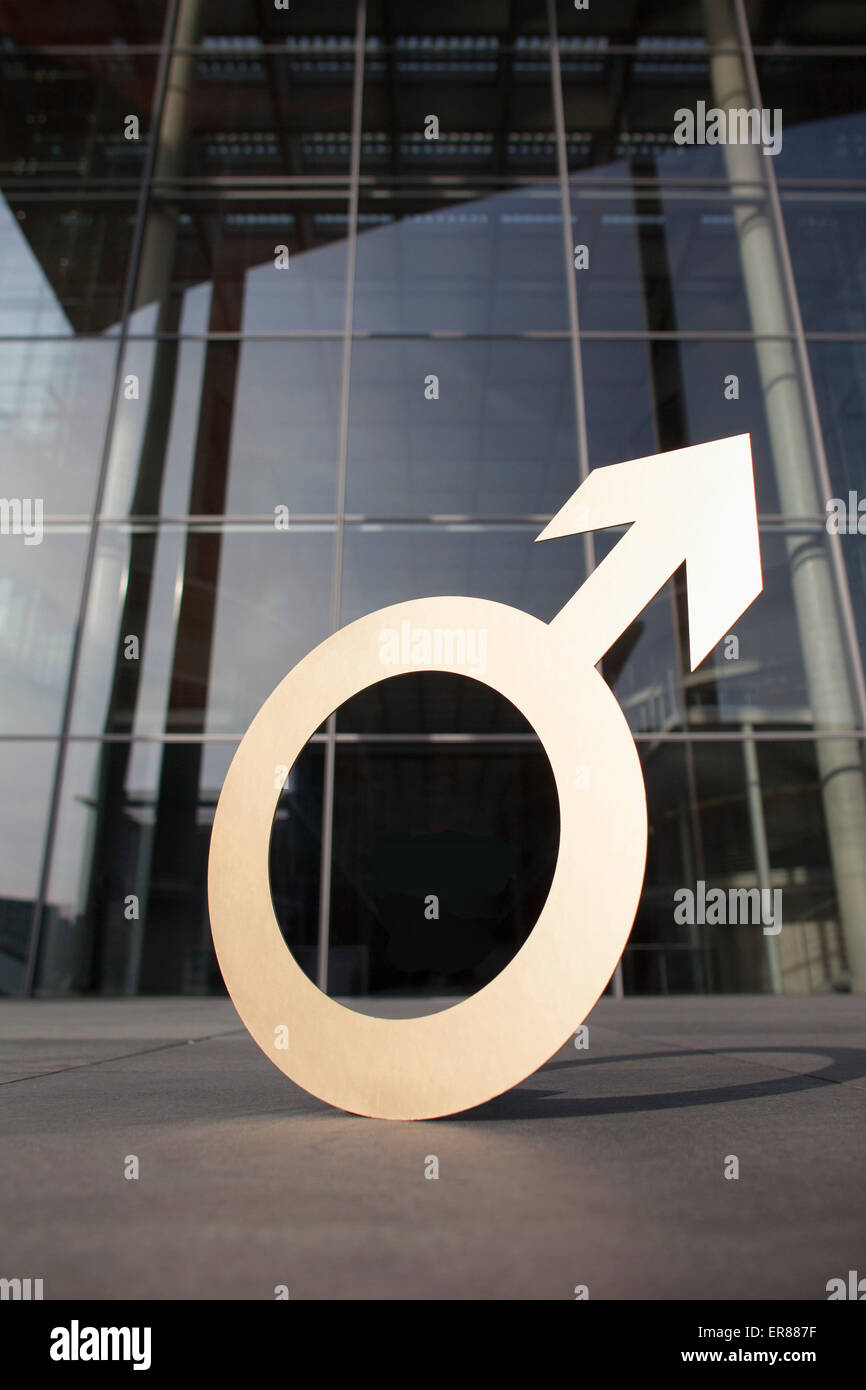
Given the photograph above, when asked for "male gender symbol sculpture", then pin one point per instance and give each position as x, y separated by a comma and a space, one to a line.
695, 505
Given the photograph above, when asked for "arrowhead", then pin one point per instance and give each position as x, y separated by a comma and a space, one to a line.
695, 504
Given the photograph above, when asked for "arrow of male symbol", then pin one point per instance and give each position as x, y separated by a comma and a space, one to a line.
695, 505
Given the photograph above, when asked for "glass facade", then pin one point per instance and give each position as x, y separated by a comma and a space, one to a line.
309, 310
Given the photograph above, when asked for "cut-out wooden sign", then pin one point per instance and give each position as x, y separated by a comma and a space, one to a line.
695, 505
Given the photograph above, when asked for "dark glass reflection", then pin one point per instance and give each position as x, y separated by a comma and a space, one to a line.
127, 907
431, 703
63, 263
443, 857
230, 20
804, 23
255, 111
230, 247
26, 767
645, 246
66, 115
88, 22
491, 97
704, 828
627, 21
825, 237
840, 382
824, 113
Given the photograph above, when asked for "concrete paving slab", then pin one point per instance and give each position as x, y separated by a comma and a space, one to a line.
605, 1168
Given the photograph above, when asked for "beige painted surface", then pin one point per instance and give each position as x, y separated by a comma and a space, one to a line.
696, 504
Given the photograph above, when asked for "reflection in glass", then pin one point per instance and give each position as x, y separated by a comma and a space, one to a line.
54, 400
26, 767
63, 263
127, 899
708, 806
444, 262
620, 108
646, 397
458, 77
386, 564
430, 702
256, 111
497, 438
443, 857
824, 113
646, 247
234, 244
825, 237
839, 371
55, 24
272, 607
278, 402
220, 616
40, 590
65, 114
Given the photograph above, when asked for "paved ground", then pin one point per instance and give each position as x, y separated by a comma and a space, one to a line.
606, 1168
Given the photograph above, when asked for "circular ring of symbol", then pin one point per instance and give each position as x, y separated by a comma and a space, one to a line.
442, 1063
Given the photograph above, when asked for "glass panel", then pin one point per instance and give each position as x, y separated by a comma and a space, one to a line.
66, 114
227, 427
839, 371
63, 263
498, 438
254, 111
28, 768
261, 628
708, 808
55, 22
824, 114
761, 677
54, 400
625, 21
252, 263
491, 101
217, 622
40, 588
755, 675
245, 19
825, 238
285, 434
804, 22
443, 857
127, 900
454, 17
431, 702
385, 564
448, 261
621, 108
660, 261
646, 397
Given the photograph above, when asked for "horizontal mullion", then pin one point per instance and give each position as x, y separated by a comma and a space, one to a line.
644, 736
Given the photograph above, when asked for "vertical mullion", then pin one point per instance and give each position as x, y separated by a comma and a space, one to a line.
573, 315
325, 868
571, 283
